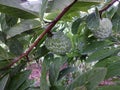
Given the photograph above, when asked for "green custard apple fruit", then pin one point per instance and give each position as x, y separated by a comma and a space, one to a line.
104, 30
58, 43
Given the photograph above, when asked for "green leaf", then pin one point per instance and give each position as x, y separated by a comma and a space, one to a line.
3, 82
81, 88
99, 1
43, 78
57, 5
18, 68
109, 88
94, 46
76, 25
10, 20
41, 51
111, 12
116, 23
65, 72
23, 26
18, 80
54, 71
3, 23
33, 88
4, 63
14, 8
101, 54
44, 73
89, 79
66, 17
57, 88
93, 80
93, 20
79, 6
113, 69
82, 6
15, 46
25, 85
107, 61
4, 55
2, 37
118, 10
48, 59
43, 8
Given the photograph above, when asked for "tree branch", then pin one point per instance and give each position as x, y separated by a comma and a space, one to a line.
50, 26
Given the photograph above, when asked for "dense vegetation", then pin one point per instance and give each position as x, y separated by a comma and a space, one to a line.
60, 45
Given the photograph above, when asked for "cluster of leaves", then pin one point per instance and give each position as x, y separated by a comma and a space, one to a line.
21, 26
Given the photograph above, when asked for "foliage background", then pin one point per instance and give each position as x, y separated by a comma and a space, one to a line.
90, 60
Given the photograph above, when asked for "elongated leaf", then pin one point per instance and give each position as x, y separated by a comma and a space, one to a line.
109, 88
3, 22
33, 88
113, 69
15, 46
79, 6
101, 54
65, 72
54, 71
41, 51
43, 8
118, 10
107, 61
99, 1
3, 82
81, 88
58, 5
4, 55
31, 5
93, 20
10, 20
14, 8
76, 25
18, 68
57, 88
25, 85
4, 63
116, 23
95, 77
2, 37
43, 78
111, 12
18, 80
94, 46
82, 6
21, 27
89, 79
45, 68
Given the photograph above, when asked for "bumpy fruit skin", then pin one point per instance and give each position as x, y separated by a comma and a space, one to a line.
104, 30
58, 43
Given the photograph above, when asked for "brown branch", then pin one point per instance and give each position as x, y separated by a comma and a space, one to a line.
50, 26
106, 7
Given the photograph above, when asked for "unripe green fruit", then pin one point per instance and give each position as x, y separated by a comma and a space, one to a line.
104, 30
58, 43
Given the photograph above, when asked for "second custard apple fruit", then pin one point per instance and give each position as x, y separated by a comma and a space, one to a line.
58, 43
104, 30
